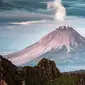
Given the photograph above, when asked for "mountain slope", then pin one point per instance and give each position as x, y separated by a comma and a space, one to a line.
43, 72
62, 43
9, 74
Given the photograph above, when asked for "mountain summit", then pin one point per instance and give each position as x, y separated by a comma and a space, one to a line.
62, 36
63, 42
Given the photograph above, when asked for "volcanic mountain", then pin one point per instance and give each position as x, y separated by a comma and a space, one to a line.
62, 43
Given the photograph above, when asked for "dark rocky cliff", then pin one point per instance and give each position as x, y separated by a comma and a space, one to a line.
9, 72
45, 73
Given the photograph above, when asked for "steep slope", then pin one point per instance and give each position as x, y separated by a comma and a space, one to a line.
9, 74
61, 43
45, 71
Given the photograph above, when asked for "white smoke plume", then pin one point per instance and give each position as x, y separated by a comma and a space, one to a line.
59, 8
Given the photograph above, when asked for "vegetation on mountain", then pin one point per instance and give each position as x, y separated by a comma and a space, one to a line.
44, 73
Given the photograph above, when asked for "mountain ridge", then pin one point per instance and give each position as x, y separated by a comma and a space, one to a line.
55, 40
44, 73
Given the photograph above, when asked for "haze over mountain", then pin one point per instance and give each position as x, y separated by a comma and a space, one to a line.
62, 44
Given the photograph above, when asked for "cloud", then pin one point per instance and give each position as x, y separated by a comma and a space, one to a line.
29, 22
5, 53
22, 16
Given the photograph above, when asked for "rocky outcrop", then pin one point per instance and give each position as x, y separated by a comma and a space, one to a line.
2, 82
49, 68
44, 73
45, 70
9, 72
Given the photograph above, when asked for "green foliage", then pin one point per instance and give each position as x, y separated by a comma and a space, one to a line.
33, 76
45, 73
64, 80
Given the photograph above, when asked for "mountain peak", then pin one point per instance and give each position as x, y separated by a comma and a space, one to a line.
64, 28
64, 36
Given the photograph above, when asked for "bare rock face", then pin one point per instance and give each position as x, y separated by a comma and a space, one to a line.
2, 82
49, 68
45, 71
8, 73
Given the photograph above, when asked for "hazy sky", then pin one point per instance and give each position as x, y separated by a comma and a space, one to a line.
24, 22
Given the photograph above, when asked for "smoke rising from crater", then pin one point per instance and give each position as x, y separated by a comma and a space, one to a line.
60, 11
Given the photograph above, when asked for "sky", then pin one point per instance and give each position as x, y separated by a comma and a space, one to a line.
24, 22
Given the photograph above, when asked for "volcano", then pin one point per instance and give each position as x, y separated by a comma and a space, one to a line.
62, 43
